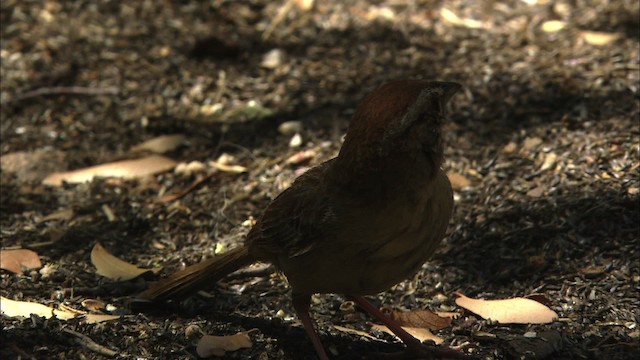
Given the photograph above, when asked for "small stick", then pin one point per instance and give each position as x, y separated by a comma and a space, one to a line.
63, 90
90, 344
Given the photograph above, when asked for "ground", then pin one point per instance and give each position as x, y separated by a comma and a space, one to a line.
542, 146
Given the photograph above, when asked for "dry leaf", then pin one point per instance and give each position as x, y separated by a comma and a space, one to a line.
96, 318
94, 305
531, 143
418, 333
64, 214
13, 308
18, 260
301, 157
160, 144
513, 311
458, 181
380, 12
210, 345
454, 19
354, 331
553, 25
509, 148
304, 5
536, 192
549, 161
126, 169
113, 268
238, 169
598, 38
420, 319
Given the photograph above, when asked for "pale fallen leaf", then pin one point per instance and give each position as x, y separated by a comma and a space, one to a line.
189, 168
553, 25
454, 19
228, 168
531, 143
458, 181
296, 141
354, 331
509, 311
549, 161
97, 318
380, 12
301, 157
420, 319
290, 127
418, 333
536, 192
14, 308
93, 305
509, 148
126, 169
64, 214
304, 5
19, 260
160, 144
272, 59
210, 345
113, 268
598, 38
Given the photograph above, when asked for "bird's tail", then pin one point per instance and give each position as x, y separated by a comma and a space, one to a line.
197, 276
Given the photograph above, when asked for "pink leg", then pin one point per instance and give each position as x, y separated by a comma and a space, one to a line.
413, 345
301, 303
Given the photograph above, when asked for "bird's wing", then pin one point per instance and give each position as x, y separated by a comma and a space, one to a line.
295, 220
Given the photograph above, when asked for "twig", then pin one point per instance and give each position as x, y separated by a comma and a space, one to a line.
196, 184
64, 90
90, 344
263, 270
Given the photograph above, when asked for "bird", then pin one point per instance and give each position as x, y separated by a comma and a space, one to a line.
358, 223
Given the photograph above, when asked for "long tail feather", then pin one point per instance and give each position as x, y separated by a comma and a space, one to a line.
197, 276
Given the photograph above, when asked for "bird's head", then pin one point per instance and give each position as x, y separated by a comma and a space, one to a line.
403, 115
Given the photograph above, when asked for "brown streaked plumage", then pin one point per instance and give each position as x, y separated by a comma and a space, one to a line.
359, 223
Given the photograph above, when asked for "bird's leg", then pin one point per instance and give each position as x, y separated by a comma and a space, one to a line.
415, 347
301, 303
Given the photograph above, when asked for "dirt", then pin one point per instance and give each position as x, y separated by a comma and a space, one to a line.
543, 144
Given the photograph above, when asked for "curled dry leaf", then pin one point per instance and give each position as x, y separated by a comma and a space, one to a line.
13, 308
598, 38
301, 157
553, 26
94, 305
113, 268
64, 214
549, 161
210, 345
19, 260
160, 144
97, 318
354, 331
458, 181
450, 17
237, 169
126, 169
420, 319
304, 5
418, 333
509, 311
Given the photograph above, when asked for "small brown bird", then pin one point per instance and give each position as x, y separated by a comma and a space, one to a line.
359, 223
